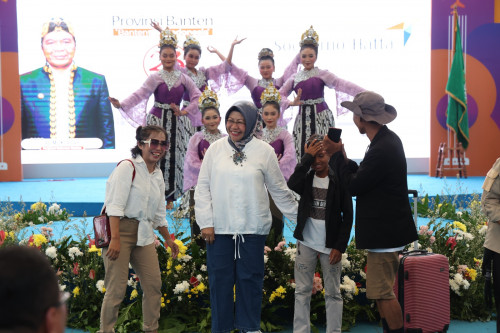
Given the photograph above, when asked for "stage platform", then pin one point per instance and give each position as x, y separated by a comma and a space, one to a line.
79, 195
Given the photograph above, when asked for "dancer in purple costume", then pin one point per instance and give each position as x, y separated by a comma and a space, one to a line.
238, 77
213, 76
314, 116
278, 137
168, 86
200, 141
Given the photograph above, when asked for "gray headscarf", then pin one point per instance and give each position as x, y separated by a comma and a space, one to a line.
253, 123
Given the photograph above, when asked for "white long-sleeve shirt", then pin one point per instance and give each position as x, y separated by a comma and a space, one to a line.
143, 199
233, 198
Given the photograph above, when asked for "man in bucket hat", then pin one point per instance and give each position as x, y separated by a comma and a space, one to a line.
384, 222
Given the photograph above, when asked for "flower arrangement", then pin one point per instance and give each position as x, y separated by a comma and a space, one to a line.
456, 231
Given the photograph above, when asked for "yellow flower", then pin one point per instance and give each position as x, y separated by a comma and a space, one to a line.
280, 290
168, 301
440, 205
18, 217
12, 235
189, 296
460, 226
103, 290
38, 240
201, 287
471, 273
178, 268
133, 294
169, 263
76, 291
38, 206
356, 291
162, 305
92, 248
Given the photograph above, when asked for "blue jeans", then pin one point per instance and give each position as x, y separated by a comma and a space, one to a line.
236, 262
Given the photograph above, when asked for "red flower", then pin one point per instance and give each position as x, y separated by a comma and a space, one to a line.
92, 274
91, 241
172, 237
194, 281
358, 284
2, 236
452, 242
76, 268
366, 268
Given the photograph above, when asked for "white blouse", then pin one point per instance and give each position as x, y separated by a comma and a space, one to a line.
143, 199
233, 198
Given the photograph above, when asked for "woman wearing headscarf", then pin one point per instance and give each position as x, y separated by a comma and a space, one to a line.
232, 209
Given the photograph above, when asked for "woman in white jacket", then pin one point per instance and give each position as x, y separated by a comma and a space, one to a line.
232, 210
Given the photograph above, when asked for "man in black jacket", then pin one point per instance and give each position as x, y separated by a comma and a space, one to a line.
384, 223
324, 222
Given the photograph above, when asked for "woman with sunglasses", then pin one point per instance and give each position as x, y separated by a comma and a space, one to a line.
135, 204
168, 86
232, 210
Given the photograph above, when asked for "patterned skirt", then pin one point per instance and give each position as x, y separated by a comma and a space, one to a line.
178, 134
309, 122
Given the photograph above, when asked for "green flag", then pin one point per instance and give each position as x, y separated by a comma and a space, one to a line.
456, 114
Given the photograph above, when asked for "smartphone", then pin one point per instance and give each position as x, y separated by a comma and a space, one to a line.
334, 134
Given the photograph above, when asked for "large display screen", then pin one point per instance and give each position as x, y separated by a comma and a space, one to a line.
381, 46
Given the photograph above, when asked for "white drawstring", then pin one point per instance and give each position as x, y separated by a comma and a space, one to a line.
237, 245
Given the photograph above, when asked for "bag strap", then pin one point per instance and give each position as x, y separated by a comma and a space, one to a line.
133, 177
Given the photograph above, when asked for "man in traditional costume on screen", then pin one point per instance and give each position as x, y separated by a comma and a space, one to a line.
61, 100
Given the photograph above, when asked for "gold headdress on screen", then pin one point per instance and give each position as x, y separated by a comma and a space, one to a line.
265, 52
270, 94
309, 37
57, 24
208, 99
190, 40
167, 37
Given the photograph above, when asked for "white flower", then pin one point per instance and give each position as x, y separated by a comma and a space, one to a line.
293, 285
203, 268
181, 287
62, 287
41, 219
291, 252
199, 277
468, 236
74, 251
132, 283
459, 213
429, 250
51, 252
100, 286
54, 209
185, 258
179, 298
483, 230
455, 287
129, 266
346, 264
362, 274
266, 258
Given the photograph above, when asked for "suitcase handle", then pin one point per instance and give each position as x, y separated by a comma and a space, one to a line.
414, 252
413, 192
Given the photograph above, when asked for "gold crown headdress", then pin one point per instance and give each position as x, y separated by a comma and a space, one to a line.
309, 37
265, 52
270, 94
208, 99
167, 37
190, 40
57, 24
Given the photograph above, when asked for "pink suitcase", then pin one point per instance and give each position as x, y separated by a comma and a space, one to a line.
423, 291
